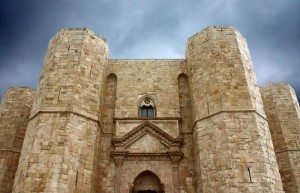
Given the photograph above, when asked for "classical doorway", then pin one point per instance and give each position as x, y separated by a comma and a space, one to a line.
147, 182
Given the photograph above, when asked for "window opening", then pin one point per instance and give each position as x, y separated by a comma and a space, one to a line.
147, 111
147, 108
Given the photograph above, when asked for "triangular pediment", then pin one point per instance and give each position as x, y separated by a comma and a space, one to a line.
147, 144
147, 129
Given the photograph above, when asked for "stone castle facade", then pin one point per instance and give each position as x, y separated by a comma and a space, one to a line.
194, 125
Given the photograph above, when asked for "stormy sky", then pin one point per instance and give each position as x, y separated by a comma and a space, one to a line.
149, 29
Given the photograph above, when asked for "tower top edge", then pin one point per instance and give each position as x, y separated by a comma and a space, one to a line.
82, 29
275, 84
21, 87
216, 28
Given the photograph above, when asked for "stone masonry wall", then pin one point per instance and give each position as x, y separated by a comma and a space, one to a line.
107, 167
210, 100
61, 162
185, 103
283, 112
186, 167
61, 146
233, 148
72, 75
157, 78
14, 115
161, 79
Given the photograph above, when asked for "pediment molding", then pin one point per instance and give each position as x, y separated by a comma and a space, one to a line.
147, 128
121, 153
120, 156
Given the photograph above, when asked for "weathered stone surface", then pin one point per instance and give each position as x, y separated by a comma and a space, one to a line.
233, 147
61, 147
283, 112
174, 125
72, 76
14, 115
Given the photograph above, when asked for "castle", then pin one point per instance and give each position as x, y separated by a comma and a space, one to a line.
194, 125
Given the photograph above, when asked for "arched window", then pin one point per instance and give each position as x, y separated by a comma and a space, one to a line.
147, 108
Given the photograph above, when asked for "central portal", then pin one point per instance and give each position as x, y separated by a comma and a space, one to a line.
147, 182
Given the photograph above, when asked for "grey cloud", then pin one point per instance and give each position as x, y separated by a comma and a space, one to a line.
149, 29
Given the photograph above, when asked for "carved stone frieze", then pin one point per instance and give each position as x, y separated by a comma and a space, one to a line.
175, 157
142, 129
123, 152
118, 157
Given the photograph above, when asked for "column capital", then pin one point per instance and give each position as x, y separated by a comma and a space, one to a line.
175, 157
118, 157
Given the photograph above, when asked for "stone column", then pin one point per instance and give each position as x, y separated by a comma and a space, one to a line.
62, 137
175, 159
14, 115
232, 142
283, 112
118, 158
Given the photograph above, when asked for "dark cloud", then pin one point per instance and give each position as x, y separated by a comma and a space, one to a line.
149, 29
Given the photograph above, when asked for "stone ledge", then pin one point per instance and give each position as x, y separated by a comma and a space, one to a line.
62, 112
230, 111
148, 119
283, 151
10, 150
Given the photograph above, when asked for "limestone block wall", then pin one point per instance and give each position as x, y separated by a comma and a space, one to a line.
110, 92
106, 180
170, 126
283, 112
232, 143
166, 81
61, 146
157, 78
186, 167
187, 175
72, 75
185, 103
14, 115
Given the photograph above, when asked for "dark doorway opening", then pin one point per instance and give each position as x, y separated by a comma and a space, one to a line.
147, 182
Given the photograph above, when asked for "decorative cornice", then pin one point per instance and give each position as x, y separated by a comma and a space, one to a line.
173, 154
141, 130
174, 157
118, 157
145, 118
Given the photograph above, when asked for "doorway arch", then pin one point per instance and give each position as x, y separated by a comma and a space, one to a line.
147, 182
